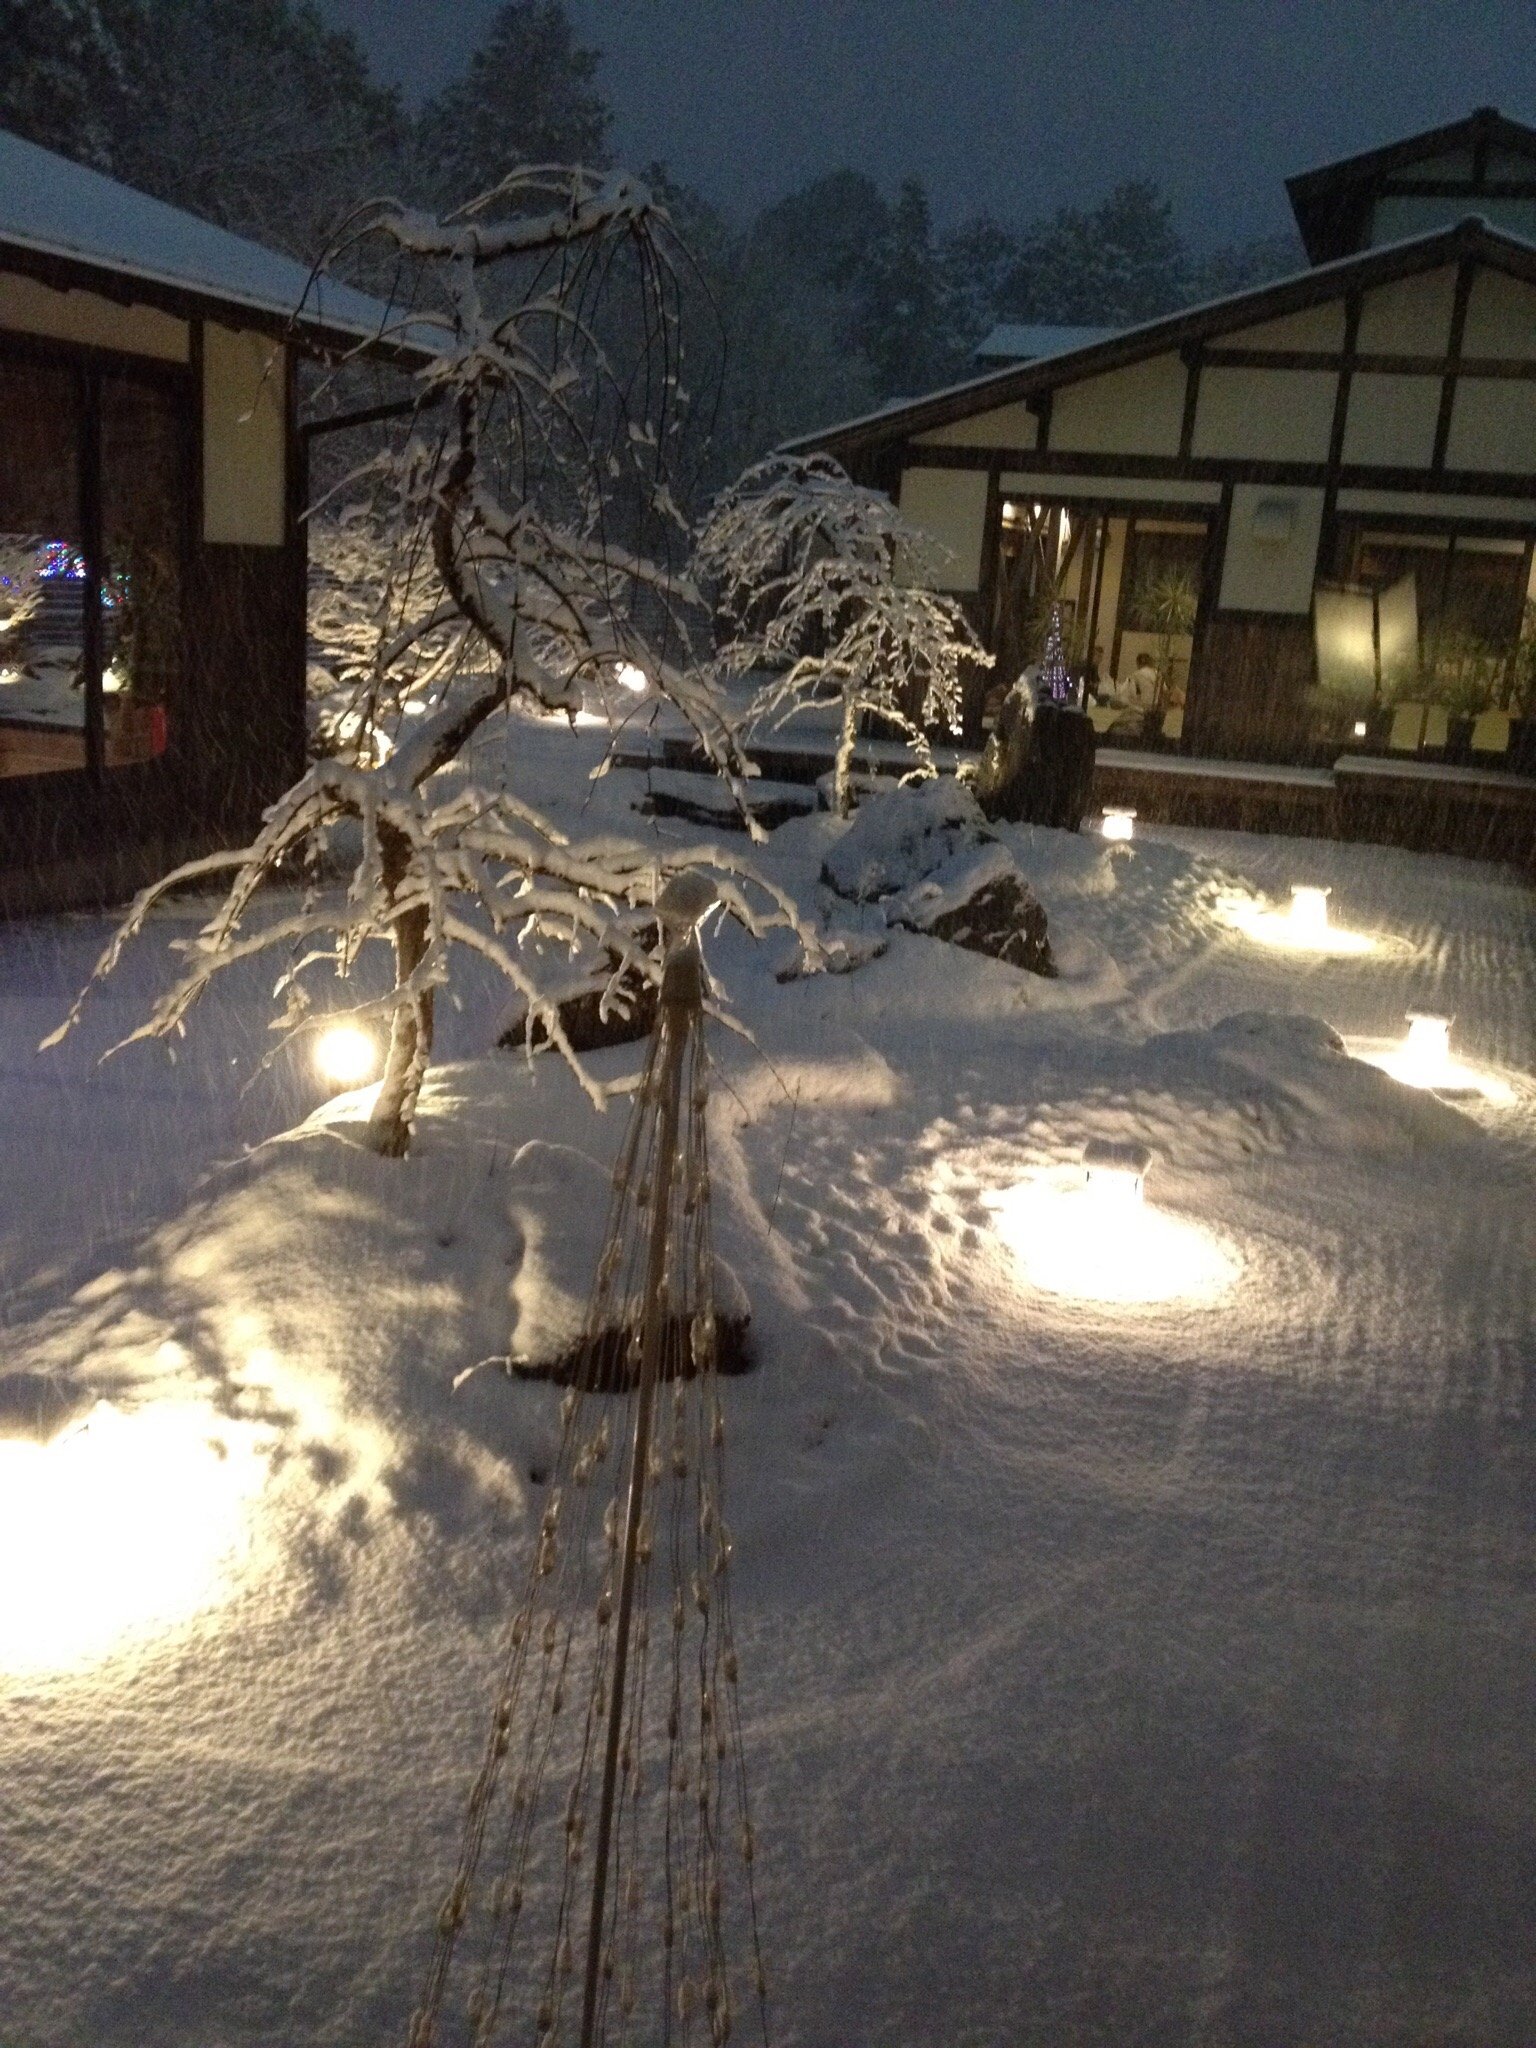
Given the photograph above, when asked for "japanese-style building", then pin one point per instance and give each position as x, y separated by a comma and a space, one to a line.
1290, 533
152, 558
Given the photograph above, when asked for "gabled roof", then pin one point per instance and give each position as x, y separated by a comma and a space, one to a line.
67, 224
1331, 202
1471, 238
1011, 343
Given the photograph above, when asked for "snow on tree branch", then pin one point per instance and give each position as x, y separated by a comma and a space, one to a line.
501, 558
822, 583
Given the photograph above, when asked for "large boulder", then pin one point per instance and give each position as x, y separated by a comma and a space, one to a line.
979, 900
925, 855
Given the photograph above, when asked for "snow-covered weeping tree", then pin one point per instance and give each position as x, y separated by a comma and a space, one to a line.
820, 582
517, 543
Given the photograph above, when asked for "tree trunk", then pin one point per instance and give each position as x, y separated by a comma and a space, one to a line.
842, 767
410, 1036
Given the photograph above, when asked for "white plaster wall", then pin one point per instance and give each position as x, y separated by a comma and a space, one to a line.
27, 307
950, 506
1314, 327
1268, 415
1411, 317
1493, 425
244, 440
1135, 411
1501, 317
1005, 426
1261, 575
1391, 420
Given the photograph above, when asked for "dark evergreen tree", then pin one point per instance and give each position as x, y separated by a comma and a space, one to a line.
527, 97
261, 118
1121, 263
73, 74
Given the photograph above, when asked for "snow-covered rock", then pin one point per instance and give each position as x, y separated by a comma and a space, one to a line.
927, 856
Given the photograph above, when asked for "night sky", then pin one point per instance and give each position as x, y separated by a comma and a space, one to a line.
1016, 106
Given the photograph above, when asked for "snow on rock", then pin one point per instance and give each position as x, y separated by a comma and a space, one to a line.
558, 1201
928, 857
900, 835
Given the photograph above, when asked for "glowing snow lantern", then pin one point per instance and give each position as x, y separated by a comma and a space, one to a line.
630, 676
1425, 1060
1360, 728
1309, 912
1118, 824
346, 1056
117, 1528
1093, 1237
1114, 1173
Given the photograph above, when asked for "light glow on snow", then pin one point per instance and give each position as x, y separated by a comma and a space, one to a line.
1423, 1059
1118, 824
1302, 928
1093, 1238
629, 676
117, 1528
346, 1056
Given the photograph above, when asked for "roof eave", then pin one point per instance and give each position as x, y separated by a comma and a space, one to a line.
1472, 236
72, 269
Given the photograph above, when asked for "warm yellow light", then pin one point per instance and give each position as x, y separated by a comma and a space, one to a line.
1094, 1239
346, 1056
1118, 824
118, 1528
629, 676
1303, 928
1309, 912
1423, 1059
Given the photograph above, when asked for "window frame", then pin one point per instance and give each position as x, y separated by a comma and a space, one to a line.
88, 367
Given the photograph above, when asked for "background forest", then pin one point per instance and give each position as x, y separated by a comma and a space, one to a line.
836, 298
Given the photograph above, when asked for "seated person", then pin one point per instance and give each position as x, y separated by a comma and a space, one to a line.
1139, 689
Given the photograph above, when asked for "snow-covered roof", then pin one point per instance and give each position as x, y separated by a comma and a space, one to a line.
92, 223
1472, 238
1011, 343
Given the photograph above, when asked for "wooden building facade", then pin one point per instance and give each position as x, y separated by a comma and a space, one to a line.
1292, 527
152, 558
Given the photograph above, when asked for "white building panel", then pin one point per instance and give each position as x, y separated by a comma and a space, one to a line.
1391, 421
244, 468
1135, 411
1271, 554
950, 507
1265, 415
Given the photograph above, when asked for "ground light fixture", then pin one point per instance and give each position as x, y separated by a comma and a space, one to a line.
1089, 1234
346, 1056
1118, 824
1422, 1058
1309, 912
117, 1528
1304, 926
1360, 728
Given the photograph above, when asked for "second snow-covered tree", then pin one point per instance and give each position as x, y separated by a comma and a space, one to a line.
825, 592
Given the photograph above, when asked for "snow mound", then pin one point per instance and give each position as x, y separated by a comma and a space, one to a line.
902, 835
558, 1201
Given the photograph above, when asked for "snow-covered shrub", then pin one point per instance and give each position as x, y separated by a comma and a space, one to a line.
517, 544
821, 581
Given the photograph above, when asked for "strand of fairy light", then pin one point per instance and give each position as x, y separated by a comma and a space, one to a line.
543, 1662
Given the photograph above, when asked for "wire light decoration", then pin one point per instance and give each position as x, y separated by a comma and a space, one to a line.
604, 1894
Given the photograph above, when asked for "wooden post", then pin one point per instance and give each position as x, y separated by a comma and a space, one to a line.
681, 1000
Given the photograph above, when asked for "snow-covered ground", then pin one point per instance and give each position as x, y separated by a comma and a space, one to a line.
1147, 1671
